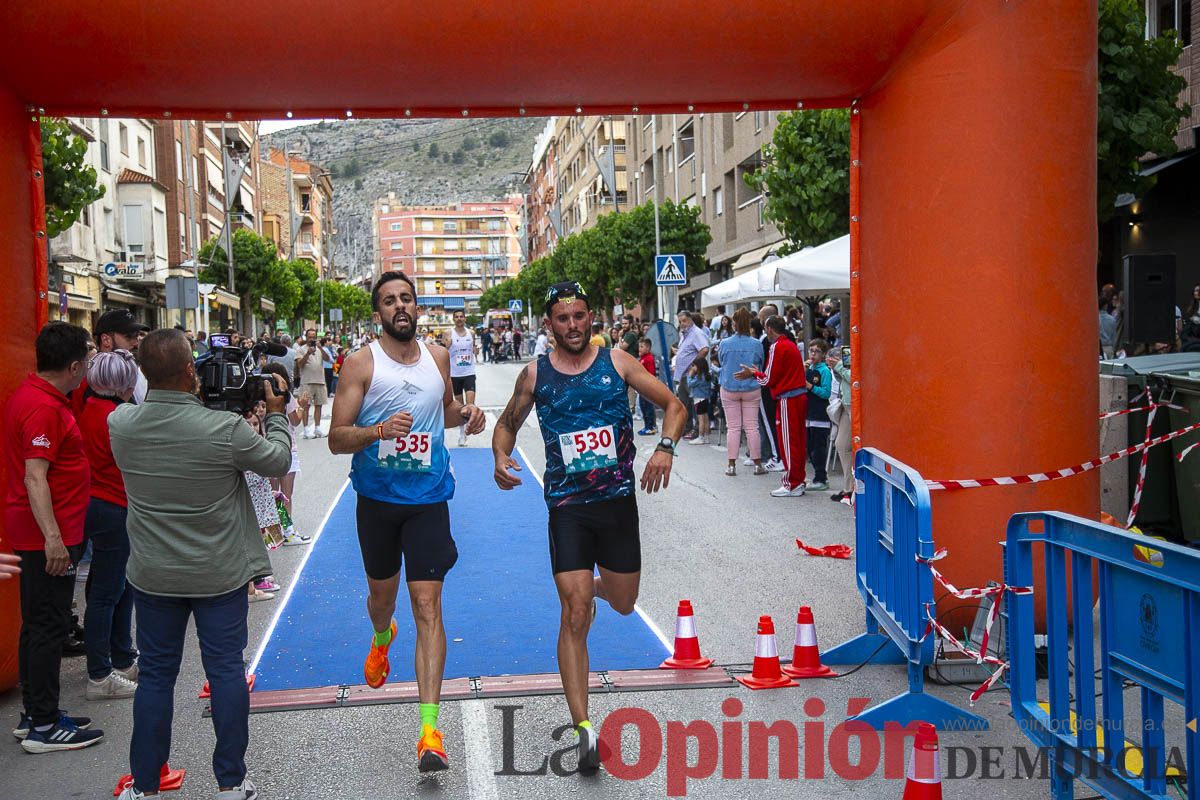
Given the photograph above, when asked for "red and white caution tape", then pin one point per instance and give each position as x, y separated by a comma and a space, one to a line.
829, 550
973, 594
1188, 450
1141, 481
980, 658
1078, 469
1150, 407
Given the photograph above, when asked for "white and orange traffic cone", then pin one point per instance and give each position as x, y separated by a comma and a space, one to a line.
766, 673
687, 644
806, 655
924, 781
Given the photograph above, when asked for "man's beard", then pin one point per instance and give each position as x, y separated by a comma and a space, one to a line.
563, 342
396, 333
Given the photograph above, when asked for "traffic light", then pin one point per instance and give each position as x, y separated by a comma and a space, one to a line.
437, 286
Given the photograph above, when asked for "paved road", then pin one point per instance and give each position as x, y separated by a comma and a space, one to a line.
720, 541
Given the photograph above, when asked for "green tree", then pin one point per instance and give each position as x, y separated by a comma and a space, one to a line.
257, 272
458, 157
469, 142
416, 147
309, 305
69, 182
358, 184
615, 256
499, 139
1139, 103
806, 176
480, 160
434, 150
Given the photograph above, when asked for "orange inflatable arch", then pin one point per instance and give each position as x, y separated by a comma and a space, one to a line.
973, 174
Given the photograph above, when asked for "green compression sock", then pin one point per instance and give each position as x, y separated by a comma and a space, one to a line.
429, 714
383, 638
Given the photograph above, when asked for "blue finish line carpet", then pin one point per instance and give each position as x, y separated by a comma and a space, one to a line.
499, 603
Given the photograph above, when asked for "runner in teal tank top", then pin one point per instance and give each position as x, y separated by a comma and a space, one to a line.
580, 393
391, 411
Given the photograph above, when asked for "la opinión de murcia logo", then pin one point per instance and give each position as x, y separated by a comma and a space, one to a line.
41, 441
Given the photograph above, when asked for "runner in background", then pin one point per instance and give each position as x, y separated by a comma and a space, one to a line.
460, 341
580, 393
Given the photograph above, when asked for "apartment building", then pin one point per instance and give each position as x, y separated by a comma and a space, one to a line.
543, 217
590, 168
298, 209
702, 161
1166, 219
453, 252
117, 254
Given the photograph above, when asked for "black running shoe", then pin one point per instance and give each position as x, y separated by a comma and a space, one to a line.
60, 738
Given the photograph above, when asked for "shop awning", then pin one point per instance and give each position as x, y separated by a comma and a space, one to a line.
753, 258
455, 302
128, 298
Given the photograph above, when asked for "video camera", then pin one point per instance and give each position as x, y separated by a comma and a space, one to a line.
228, 373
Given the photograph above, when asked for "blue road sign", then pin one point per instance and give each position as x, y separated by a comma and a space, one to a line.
515, 306
670, 270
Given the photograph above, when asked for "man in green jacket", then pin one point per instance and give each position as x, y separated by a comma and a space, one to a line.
194, 545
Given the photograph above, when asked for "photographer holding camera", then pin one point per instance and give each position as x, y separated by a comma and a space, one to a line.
194, 545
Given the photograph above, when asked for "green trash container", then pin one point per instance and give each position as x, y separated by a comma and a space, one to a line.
1163, 501
1185, 393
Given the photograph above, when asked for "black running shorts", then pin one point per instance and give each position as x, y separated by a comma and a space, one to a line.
417, 536
464, 384
605, 533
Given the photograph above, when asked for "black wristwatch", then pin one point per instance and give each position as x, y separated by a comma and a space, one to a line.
666, 445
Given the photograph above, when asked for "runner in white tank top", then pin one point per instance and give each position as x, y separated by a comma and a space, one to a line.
392, 405
460, 341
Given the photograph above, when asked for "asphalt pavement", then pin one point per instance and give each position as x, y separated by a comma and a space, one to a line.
720, 541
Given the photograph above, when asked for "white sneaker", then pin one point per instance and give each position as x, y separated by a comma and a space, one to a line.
318, 433
114, 687
131, 794
307, 433
130, 672
747, 462
775, 465
244, 791
783, 491
698, 440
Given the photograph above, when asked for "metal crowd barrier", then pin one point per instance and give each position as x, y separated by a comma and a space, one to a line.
1149, 635
892, 529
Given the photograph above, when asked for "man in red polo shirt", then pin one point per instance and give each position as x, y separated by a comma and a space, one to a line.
46, 500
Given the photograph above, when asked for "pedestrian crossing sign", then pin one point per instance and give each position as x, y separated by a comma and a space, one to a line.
670, 270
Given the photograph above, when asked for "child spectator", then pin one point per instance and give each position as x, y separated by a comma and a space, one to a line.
817, 418
699, 385
649, 415
268, 520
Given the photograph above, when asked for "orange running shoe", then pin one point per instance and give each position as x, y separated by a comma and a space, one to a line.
431, 756
376, 668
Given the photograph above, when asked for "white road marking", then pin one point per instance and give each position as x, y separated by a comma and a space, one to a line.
481, 782
279, 609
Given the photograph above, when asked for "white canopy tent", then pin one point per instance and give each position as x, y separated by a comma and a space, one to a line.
824, 269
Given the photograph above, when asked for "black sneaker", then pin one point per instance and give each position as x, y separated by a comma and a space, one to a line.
60, 738
589, 748
25, 723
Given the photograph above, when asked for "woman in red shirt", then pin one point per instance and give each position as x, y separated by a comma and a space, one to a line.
108, 621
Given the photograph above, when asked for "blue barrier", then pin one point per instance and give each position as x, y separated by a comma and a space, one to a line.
892, 529
1149, 634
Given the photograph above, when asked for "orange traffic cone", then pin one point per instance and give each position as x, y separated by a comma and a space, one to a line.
806, 656
924, 781
687, 644
169, 780
766, 674
206, 691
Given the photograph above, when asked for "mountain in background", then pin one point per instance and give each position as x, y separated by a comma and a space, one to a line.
425, 162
